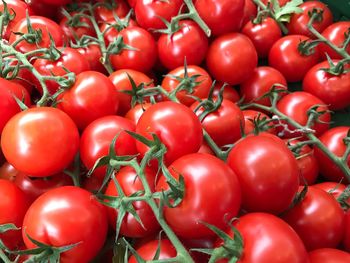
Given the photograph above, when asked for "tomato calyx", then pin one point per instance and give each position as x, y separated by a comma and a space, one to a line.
317, 13
307, 47
120, 24
337, 69
343, 198
32, 37
6, 17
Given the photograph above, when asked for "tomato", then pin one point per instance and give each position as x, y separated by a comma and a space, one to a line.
263, 35
136, 112
17, 7
148, 13
296, 106
148, 250
40, 141
177, 127
208, 182
111, 28
122, 83
144, 54
261, 82
97, 137
91, 97
346, 240
280, 2
333, 188
223, 58
268, 239
250, 11
334, 90
39, 8
198, 80
64, 216
267, 172
251, 116
221, 16
298, 22
333, 141
205, 148
329, 255
93, 55
130, 184
318, 219
38, 23
56, 2
188, 42
70, 59
230, 93
74, 32
335, 33
223, 125
14, 205
119, 8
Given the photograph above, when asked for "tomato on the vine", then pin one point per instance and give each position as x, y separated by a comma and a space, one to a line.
329, 255
148, 250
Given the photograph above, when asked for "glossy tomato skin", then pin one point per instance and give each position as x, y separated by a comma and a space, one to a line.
296, 105
334, 90
91, 97
335, 33
261, 82
276, 242
208, 182
143, 57
188, 42
285, 57
135, 113
329, 255
230, 93
333, 140
93, 55
97, 137
102, 13
318, 219
221, 16
298, 22
70, 59
250, 11
252, 115
46, 25
14, 205
130, 184
33, 135
147, 251
263, 35
148, 13
226, 64
122, 82
177, 127
65, 216
200, 90
223, 125
267, 172
333, 188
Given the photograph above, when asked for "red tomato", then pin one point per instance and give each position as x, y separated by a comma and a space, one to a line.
200, 84
205, 148
296, 105
329, 255
298, 22
230, 93
91, 97
14, 205
268, 239
223, 58
285, 56
263, 35
111, 32
64, 216
119, 8
93, 54
318, 219
122, 82
148, 13
76, 32
97, 137
135, 113
221, 16
267, 172
334, 90
333, 141
333, 188
142, 57
261, 82
251, 116
280, 2
56, 2
70, 59
34, 134
177, 127
148, 250
46, 26
335, 33
346, 240
223, 125
39, 8
250, 11
188, 42
130, 184
206, 179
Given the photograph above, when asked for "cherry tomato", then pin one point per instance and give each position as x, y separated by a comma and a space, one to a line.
329, 255
148, 250
333, 188
93, 55
118, 7
252, 116
40, 141
223, 58
250, 11
64, 216
135, 113
230, 93
208, 182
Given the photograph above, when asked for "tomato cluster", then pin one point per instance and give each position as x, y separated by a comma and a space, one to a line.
184, 131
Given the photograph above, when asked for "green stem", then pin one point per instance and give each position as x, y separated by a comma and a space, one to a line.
195, 17
346, 154
3, 257
218, 152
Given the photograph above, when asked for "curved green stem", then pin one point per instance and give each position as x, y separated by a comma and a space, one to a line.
195, 17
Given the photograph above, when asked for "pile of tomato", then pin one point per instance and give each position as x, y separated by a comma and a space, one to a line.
174, 131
